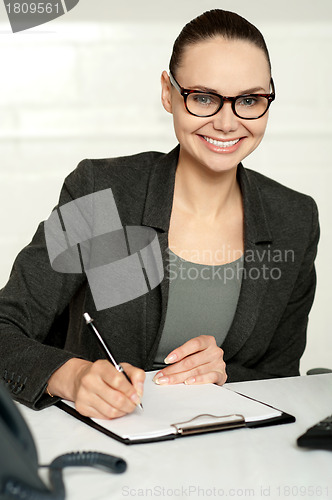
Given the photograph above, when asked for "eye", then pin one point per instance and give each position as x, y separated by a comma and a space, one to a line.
204, 99
247, 101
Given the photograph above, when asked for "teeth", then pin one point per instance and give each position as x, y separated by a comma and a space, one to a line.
222, 144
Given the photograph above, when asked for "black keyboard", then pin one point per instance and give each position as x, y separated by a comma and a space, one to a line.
318, 436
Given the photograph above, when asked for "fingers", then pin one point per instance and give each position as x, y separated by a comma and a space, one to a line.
212, 377
96, 407
190, 347
211, 354
204, 374
200, 361
136, 376
103, 392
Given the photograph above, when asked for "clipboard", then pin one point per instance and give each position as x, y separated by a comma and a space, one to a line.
177, 411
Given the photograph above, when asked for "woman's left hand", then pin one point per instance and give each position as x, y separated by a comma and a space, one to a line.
198, 361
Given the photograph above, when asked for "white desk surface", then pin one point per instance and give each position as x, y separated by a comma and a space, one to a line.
243, 463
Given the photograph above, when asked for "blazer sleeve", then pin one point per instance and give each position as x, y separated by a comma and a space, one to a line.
282, 357
33, 301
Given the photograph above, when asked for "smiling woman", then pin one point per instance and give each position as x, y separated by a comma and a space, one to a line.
227, 308
225, 65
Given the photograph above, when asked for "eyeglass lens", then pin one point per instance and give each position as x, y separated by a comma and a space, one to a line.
251, 106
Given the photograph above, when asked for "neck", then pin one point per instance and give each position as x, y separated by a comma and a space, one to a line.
205, 193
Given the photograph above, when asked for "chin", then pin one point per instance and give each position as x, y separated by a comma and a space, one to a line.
219, 165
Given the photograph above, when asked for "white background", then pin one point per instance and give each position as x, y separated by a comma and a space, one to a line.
87, 85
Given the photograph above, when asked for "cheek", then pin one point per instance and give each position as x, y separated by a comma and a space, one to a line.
185, 123
181, 125
257, 129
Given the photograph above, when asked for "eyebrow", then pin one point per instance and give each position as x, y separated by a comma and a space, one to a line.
243, 92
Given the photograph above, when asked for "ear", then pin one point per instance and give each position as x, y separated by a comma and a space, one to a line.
166, 92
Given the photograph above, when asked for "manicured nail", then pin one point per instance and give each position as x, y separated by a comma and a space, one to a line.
162, 380
135, 399
140, 388
190, 380
170, 359
157, 375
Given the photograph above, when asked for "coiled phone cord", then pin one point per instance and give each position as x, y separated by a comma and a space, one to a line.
18, 490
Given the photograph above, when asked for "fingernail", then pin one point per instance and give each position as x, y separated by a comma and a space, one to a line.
190, 380
170, 359
162, 380
135, 399
140, 388
157, 375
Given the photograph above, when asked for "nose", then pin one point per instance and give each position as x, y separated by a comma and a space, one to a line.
225, 119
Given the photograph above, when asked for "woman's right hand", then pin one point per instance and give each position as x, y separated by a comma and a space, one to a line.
98, 389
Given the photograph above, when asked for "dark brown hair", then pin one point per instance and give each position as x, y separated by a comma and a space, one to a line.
214, 23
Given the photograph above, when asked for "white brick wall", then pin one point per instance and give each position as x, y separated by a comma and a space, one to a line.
92, 90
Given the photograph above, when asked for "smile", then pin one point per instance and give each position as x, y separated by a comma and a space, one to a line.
221, 144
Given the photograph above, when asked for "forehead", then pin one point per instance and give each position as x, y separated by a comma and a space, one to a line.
226, 65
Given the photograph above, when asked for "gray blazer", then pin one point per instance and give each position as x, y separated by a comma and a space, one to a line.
41, 323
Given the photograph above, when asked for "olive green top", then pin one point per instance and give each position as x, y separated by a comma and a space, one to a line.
202, 301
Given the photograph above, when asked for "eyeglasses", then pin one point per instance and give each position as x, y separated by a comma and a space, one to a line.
204, 104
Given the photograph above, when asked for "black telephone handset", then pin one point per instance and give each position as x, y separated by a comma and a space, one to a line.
19, 477
18, 454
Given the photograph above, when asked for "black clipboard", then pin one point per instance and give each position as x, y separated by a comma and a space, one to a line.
200, 424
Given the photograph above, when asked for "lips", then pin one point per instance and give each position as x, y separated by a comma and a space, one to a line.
220, 146
220, 143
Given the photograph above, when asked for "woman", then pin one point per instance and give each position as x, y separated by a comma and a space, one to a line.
257, 237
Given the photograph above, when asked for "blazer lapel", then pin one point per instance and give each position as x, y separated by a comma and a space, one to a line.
258, 241
157, 214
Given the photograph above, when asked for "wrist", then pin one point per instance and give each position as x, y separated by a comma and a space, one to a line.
63, 382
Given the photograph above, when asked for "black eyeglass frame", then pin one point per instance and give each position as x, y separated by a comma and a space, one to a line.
186, 92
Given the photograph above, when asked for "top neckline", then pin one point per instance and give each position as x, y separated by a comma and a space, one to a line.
205, 265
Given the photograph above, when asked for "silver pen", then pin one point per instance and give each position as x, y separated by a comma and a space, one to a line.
117, 366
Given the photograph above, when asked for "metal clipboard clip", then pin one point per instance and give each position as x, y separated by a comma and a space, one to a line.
209, 423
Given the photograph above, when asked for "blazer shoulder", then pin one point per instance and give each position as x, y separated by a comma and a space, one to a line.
290, 213
142, 162
278, 193
139, 160
92, 175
